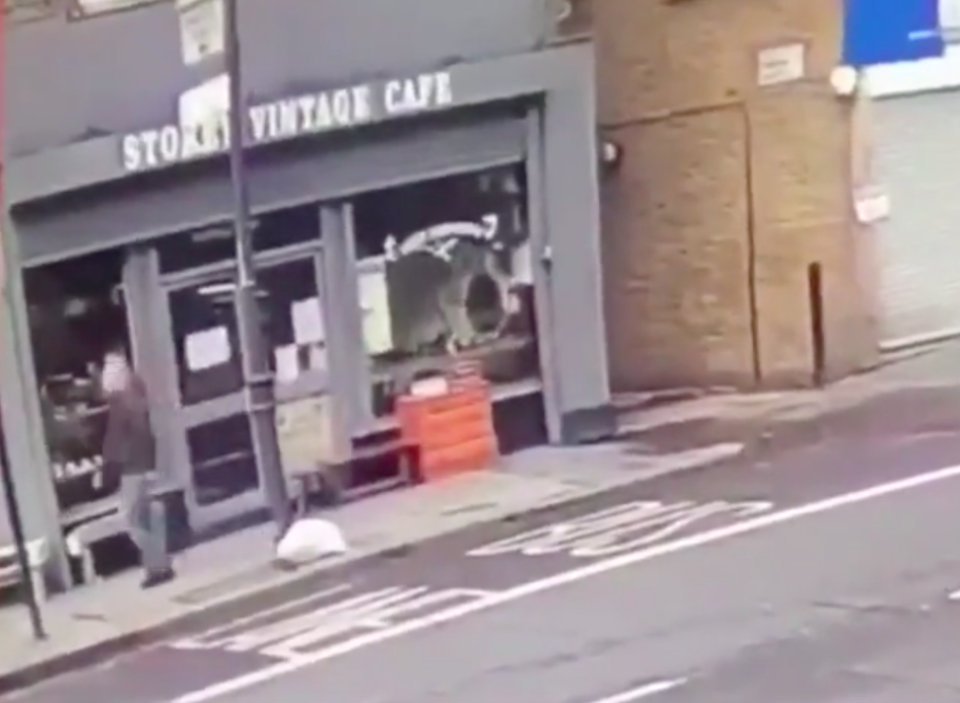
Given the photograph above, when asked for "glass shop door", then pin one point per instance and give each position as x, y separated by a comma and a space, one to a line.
211, 428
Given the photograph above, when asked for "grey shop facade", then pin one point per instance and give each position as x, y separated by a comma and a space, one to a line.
396, 222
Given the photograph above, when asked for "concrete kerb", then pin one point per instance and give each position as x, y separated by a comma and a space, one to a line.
305, 581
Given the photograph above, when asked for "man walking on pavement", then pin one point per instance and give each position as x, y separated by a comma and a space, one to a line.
130, 449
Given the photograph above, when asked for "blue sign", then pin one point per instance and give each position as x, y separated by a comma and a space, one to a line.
890, 31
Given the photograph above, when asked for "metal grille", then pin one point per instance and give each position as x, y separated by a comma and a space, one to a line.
918, 139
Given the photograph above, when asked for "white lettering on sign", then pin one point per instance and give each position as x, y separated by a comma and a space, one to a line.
410, 95
170, 144
440, 239
332, 621
623, 528
297, 116
307, 114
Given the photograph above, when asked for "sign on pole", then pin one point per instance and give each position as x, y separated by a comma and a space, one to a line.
205, 107
201, 29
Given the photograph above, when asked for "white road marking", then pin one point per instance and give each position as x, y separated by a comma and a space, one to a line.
954, 596
267, 615
331, 620
649, 689
622, 528
581, 573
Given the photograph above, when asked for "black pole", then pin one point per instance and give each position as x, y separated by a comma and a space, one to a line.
258, 376
818, 337
20, 543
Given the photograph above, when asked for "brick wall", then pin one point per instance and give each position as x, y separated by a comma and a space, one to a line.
726, 194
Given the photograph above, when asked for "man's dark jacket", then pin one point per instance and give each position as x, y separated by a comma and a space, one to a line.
129, 446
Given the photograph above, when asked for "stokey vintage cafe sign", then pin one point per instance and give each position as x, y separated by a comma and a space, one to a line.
290, 118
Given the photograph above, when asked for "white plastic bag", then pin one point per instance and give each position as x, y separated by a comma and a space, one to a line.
309, 539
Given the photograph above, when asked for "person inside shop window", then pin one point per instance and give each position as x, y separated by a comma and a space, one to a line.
130, 450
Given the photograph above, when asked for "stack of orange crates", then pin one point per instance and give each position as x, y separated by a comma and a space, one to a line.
454, 431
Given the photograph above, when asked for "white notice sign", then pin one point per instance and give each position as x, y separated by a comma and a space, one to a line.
781, 64
375, 308
207, 348
201, 29
205, 105
287, 363
307, 321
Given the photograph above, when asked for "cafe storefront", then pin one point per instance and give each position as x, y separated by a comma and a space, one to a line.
397, 224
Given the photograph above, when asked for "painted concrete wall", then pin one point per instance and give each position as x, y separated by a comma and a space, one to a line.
70, 81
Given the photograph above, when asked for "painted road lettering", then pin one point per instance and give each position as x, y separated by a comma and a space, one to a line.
334, 620
697, 540
622, 528
654, 688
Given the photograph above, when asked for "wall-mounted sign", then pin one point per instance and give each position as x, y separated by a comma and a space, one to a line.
781, 64
201, 29
289, 118
891, 32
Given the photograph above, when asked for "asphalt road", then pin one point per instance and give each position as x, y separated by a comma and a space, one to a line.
647, 594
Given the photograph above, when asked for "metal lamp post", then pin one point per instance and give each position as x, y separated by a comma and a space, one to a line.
258, 376
20, 544
210, 28
6, 472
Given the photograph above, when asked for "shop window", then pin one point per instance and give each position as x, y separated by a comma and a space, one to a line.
216, 244
76, 314
444, 271
294, 319
207, 338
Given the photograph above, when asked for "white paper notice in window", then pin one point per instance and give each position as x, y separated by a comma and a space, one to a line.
375, 308
317, 357
207, 348
523, 265
286, 363
307, 321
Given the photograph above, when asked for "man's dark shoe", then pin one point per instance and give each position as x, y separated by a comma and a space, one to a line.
157, 578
